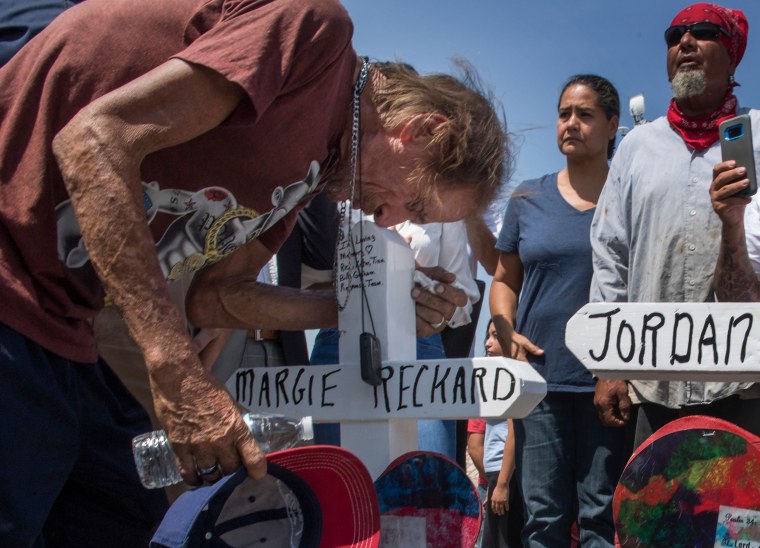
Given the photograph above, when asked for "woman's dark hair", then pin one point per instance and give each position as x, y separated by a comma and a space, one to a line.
488, 328
606, 97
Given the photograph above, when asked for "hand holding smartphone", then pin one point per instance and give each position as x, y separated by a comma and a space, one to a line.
736, 144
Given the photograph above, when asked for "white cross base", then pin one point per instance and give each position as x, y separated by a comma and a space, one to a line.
668, 341
379, 423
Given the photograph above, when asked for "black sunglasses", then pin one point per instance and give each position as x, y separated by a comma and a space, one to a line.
700, 31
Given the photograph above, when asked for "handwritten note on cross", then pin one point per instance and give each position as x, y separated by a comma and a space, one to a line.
378, 423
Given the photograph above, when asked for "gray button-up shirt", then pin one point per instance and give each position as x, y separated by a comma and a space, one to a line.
655, 237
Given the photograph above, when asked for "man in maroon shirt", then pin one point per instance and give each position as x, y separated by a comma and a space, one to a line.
215, 122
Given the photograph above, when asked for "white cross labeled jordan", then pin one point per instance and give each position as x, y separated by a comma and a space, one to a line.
668, 341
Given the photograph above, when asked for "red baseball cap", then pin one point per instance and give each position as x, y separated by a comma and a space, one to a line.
312, 496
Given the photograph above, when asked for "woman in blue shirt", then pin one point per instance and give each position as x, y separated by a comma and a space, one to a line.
567, 462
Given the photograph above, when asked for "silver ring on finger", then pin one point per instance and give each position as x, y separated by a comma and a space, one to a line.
439, 324
210, 471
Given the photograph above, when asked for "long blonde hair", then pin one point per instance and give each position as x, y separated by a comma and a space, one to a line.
471, 149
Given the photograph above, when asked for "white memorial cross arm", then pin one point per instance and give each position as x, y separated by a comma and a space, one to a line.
419, 389
668, 341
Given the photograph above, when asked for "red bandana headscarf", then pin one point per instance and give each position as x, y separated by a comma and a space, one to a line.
700, 133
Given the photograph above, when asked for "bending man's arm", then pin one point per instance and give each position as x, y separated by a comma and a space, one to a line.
226, 294
99, 153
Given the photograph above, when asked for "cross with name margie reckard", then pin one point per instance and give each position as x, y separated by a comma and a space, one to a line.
379, 423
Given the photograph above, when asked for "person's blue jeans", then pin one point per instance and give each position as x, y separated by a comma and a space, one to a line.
68, 477
568, 465
325, 352
432, 435
435, 435
482, 495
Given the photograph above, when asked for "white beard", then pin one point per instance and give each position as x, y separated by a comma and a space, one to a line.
688, 83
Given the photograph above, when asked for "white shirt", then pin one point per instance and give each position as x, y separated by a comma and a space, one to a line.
752, 232
655, 237
444, 245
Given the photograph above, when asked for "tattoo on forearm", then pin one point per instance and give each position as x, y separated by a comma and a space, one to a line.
735, 279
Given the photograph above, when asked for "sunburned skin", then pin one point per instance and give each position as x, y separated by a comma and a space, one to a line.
99, 153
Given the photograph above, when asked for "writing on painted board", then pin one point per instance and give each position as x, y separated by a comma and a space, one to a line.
402, 387
713, 340
737, 528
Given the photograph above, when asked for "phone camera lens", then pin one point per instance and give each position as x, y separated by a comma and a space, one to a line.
734, 132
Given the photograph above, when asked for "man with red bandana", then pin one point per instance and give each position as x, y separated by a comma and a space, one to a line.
655, 236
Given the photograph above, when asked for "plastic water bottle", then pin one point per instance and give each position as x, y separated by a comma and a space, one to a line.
157, 466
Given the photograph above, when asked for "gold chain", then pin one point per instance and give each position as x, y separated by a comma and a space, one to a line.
211, 253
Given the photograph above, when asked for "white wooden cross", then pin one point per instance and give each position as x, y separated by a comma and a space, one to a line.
378, 423
668, 341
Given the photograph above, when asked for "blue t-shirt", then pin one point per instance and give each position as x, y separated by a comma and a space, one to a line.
493, 444
552, 240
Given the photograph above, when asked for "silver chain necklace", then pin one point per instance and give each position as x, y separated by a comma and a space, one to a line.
345, 216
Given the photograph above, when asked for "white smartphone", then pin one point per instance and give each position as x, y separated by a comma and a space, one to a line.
736, 144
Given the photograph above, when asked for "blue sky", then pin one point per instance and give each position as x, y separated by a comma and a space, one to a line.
525, 49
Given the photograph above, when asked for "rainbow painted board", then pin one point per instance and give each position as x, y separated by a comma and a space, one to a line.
694, 482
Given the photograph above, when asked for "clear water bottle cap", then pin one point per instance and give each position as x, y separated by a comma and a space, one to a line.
308, 428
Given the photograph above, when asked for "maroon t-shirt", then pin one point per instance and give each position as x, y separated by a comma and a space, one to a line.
245, 179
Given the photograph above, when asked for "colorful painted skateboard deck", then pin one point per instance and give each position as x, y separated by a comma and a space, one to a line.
426, 499
696, 483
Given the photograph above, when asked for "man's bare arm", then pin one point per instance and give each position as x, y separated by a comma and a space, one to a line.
226, 294
99, 153
735, 278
